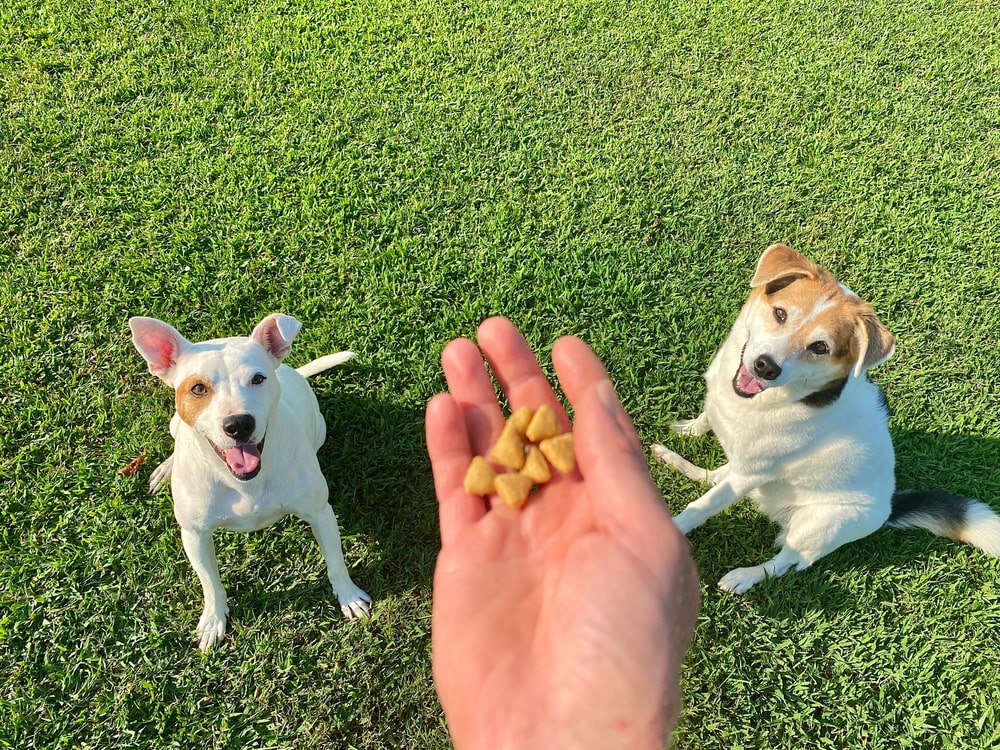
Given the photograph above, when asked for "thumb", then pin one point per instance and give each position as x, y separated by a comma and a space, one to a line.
624, 499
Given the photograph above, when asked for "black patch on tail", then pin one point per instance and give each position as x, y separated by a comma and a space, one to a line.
939, 512
825, 395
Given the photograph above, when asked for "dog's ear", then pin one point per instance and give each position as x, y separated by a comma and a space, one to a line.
779, 266
159, 344
275, 334
875, 343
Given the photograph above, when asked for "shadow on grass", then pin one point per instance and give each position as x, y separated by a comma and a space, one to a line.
959, 464
375, 461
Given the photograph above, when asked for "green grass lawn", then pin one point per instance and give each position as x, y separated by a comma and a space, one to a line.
393, 172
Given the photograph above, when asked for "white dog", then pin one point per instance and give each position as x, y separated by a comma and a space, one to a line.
246, 431
804, 429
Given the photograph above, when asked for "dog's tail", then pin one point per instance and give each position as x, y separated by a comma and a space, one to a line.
959, 518
323, 363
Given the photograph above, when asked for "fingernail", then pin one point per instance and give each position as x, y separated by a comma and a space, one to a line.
608, 398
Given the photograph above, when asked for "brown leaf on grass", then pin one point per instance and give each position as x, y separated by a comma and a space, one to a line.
132, 467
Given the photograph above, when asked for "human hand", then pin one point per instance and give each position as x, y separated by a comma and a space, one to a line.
561, 625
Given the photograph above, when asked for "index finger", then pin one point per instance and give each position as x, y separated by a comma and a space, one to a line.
580, 369
516, 369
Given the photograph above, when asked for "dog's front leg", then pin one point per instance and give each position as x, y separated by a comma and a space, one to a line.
353, 601
810, 533
700, 425
717, 499
676, 461
200, 550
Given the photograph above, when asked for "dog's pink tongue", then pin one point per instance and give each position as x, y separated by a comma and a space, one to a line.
748, 383
243, 458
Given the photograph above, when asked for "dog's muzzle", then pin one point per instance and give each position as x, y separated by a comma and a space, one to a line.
748, 384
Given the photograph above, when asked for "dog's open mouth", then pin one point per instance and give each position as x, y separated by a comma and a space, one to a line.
744, 382
243, 461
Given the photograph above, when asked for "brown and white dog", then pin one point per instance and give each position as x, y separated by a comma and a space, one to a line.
804, 430
246, 430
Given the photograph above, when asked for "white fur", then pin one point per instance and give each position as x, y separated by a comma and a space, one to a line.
981, 528
206, 494
825, 475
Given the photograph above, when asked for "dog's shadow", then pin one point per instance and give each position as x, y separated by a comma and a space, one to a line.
960, 464
376, 463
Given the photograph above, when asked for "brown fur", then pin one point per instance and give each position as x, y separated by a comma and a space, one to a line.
857, 338
190, 406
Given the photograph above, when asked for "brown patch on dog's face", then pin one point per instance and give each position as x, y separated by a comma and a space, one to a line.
816, 320
830, 334
192, 398
803, 329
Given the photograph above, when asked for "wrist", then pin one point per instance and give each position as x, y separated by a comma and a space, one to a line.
549, 734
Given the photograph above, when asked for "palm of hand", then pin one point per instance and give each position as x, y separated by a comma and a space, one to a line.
533, 610
563, 624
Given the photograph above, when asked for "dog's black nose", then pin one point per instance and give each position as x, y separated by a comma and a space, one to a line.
766, 368
239, 426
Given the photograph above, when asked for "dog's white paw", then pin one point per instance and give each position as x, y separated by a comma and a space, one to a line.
663, 454
212, 627
160, 475
741, 580
669, 458
353, 602
694, 426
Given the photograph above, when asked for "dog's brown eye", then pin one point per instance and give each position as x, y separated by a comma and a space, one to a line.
818, 347
258, 379
199, 390
780, 315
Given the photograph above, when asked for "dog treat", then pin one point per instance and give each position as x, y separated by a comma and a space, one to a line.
529, 443
513, 488
536, 468
479, 477
559, 451
545, 424
509, 449
520, 420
